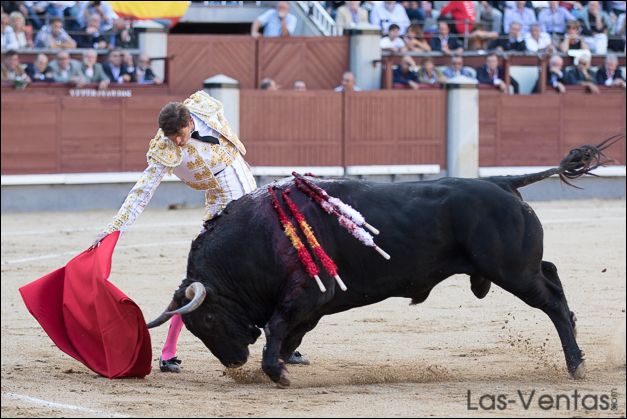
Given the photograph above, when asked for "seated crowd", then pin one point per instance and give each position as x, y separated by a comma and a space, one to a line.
91, 26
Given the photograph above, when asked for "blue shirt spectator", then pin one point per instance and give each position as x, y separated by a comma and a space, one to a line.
554, 18
521, 14
275, 22
54, 36
385, 13
457, 68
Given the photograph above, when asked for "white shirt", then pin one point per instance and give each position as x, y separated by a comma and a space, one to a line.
535, 46
383, 18
387, 43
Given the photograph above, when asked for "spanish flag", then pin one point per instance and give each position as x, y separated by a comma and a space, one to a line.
171, 11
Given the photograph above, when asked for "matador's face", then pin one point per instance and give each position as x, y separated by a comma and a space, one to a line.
184, 134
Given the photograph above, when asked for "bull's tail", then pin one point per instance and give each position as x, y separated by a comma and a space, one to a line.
579, 161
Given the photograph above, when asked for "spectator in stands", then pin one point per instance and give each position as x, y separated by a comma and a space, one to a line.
610, 75
129, 62
538, 41
429, 74
444, 42
481, 38
39, 71
102, 9
573, 39
415, 39
275, 22
457, 68
405, 76
115, 68
12, 70
92, 37
617, 7
618, 33
9, 40
555, 77
120, 35
490, 17
300, 85
554, 18
521, 14
54, 36
492, 74
92, 70
393, 42
348, 83
514, 41
385, 13
268, 84
34, 11
595, 26
23, 34
463, 14
581, 74
350, 14
414, 11
430, 24
144, 73
66, 70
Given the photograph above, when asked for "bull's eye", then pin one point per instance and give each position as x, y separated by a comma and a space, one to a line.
209, 318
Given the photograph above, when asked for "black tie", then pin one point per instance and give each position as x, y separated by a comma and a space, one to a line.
205, 138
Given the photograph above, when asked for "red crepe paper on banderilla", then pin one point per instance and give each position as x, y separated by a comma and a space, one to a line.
90, 319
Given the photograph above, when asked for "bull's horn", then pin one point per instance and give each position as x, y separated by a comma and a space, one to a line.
195, 292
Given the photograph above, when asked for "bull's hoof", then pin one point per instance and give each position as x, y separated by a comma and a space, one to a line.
283, 382
580, 372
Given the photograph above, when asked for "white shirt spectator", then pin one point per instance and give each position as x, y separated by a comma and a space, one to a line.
387, 43
383, 17
340, 88
535, 45
272, 23
9, 40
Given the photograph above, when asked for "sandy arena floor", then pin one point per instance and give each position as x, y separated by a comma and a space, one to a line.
383, 360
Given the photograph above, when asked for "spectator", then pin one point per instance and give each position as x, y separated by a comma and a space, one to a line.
595, 26
464, 15
572, 38
102, 9
120, 35
405, 76
554, 18
144, 73
23, 35
555, 77
275, 22
12, 70
54, 36
610, 75
115, 69
514, 41
415, 39
393, 42
92, 71
490, 17
348, 83
428, 74
92, 38
299, 86
350, 14
66, 70
480, 38
34, 11
457, 68
618, 44
617, 7
414, 11
129, 62
492, 74
444, 42
538, 41
40, 71
430, 24
9, 40
521, 14
581, 74
385, 13
268, 84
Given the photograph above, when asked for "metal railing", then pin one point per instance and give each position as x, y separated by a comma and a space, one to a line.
320, 17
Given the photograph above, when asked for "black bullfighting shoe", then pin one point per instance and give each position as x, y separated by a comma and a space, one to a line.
170, 365
297, 358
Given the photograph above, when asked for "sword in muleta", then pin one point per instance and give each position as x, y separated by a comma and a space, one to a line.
347, 216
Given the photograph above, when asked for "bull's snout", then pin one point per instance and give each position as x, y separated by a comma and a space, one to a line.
236, 364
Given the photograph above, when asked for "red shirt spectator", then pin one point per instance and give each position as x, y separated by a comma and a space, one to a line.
461, 11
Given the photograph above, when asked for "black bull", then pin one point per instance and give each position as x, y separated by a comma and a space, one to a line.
244, 275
